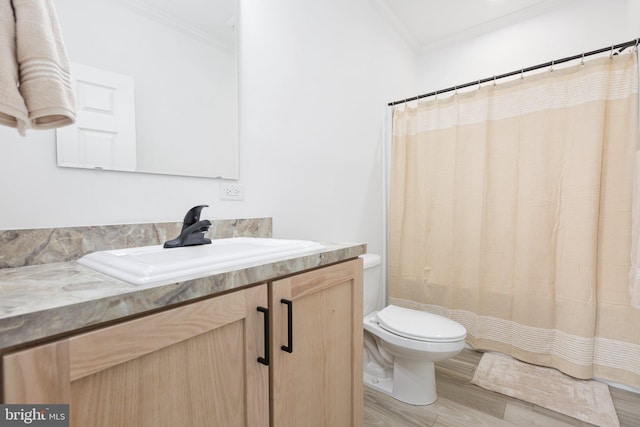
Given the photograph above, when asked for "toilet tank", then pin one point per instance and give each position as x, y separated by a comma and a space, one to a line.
372, 283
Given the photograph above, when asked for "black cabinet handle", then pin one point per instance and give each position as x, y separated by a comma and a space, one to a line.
289, 347
265, 360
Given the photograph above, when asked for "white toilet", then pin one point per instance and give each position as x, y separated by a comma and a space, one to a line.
401, 344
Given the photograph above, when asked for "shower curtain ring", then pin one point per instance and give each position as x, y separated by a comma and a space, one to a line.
611, 53
494, 80
582, 59
522, 73
479, 85
551, 68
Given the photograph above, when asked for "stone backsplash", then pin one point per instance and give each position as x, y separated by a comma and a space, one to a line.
20, 248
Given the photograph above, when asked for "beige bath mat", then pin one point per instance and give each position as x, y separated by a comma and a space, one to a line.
585, 400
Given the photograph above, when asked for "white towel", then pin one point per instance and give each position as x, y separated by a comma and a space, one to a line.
45, 82
13, 111
634, 271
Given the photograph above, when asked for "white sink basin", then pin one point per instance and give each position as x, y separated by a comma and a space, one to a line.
155, 264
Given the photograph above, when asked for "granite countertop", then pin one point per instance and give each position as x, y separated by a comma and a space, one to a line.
47, 300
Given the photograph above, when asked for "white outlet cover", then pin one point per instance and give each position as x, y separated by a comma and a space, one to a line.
231, 191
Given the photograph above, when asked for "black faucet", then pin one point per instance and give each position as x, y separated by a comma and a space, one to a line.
193, 230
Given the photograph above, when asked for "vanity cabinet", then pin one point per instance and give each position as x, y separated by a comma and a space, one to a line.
204, 363
316, 377
190, 366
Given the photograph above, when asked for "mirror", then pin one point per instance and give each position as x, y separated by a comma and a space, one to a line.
181, 56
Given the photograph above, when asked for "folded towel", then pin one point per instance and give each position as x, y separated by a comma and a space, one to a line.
13, 111
45, 82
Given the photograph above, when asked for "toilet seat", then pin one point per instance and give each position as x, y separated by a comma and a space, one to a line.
419, 325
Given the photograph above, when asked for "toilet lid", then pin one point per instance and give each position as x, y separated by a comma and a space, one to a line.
419, 325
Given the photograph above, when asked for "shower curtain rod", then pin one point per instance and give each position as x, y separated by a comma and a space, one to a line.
620, 47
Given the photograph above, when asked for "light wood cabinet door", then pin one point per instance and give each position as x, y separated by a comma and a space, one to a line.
318, 383
195, 365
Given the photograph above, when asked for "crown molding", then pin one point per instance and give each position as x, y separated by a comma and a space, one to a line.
418, 46
396, 23
149, 9
496, 24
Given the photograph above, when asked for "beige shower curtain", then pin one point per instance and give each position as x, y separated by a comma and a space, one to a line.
510, 212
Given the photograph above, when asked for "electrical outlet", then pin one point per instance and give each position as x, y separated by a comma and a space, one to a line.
229, 191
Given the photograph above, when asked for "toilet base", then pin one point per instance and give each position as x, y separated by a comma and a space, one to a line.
384, 385
413, 382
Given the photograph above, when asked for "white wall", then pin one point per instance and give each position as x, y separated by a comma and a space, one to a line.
314, 80
580, 26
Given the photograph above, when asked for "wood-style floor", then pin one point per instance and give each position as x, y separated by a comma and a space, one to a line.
461, 403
